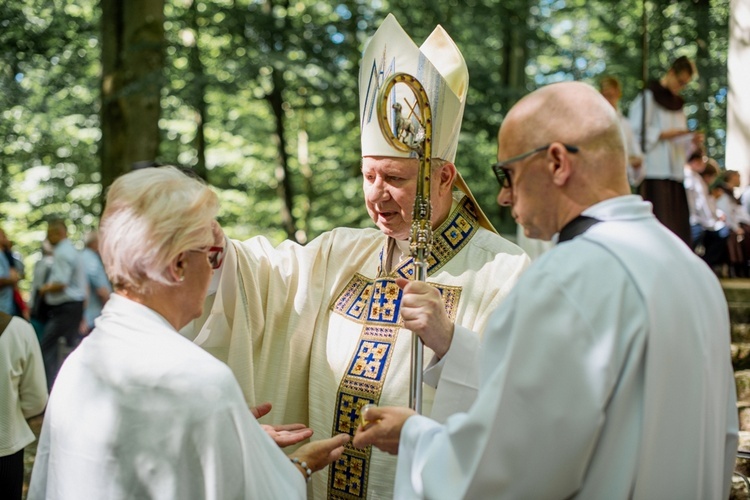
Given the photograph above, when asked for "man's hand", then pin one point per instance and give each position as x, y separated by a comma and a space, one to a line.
11, 280
383, 428
285, 434
318, 454
423, 311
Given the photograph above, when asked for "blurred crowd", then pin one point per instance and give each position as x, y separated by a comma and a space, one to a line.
68, 288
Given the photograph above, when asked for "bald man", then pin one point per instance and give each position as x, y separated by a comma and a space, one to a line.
606, 372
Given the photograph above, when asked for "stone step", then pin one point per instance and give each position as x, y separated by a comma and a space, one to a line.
737, 293
739, 313
740, 489
742, 380
740, 333
741, 355
736, 290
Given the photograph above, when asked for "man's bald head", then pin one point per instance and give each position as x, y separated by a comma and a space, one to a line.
571, 113
566, 182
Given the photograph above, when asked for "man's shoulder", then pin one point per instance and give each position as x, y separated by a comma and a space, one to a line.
495, 243
19, 328
65, 249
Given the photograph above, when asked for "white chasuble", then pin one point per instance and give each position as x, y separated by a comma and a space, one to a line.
316, 331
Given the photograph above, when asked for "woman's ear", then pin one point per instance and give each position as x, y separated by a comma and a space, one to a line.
177, 267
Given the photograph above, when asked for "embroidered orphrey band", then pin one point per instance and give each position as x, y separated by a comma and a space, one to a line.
375, 303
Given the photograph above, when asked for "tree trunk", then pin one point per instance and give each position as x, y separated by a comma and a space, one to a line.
284, 185
703, 27
132, 74
199, 95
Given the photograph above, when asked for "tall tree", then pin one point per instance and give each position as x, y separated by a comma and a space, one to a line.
132, 66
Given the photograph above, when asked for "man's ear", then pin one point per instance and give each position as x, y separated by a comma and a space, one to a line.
558, 162
448, 175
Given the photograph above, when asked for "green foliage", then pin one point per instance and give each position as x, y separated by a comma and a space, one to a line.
49, 127
277, 73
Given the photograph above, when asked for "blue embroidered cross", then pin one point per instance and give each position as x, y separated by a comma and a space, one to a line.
370, 359
385, 302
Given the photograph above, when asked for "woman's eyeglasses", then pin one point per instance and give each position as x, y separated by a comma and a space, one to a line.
215, 255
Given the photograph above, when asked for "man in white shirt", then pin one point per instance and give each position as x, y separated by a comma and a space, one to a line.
606, 373
64, 293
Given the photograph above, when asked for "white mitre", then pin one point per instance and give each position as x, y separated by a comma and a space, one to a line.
439, 67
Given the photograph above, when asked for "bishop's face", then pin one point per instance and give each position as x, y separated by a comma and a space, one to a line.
390, 186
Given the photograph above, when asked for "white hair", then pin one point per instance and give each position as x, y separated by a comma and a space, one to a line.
151, 216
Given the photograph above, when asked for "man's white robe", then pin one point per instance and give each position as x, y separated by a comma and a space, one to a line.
291, 321
137, 411
605, 374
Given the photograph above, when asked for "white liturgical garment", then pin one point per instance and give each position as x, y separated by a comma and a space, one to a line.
605, 374
316, 331
139, 412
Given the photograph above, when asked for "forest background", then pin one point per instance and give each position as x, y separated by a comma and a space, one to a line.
260, 96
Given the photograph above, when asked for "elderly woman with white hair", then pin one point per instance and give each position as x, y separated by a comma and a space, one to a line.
138, 411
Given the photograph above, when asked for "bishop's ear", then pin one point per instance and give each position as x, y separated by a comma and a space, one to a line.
447, 175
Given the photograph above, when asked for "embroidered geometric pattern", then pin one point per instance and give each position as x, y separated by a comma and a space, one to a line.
385, 302
362, 384
348, 475
370, 360
376, 304
453, 235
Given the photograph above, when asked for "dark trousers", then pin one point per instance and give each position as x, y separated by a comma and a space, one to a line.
669, 200
64, 321
715, 243
11, 476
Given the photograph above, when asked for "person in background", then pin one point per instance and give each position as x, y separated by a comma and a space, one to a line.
23, 394
138, 411
716, 232
737, 220
8, 278
598, 380
611, 89
40, 275
99, 287
64, 293
696, 189
20, 308
666, 141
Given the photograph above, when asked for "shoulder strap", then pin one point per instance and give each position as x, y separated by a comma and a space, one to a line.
4, 321
577, 226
